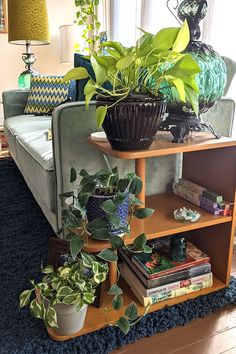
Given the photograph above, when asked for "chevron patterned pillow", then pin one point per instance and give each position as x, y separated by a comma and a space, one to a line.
45, 94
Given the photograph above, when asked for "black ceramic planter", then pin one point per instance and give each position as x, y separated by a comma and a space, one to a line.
133, 123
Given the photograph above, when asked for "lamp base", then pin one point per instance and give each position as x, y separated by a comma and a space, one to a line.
25, 78
181, 126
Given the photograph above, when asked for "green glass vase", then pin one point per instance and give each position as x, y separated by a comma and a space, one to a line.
211, 80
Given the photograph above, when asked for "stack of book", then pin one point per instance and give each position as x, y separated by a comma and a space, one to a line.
155, 277
208, 200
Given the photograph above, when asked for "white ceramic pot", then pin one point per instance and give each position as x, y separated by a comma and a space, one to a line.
69, 320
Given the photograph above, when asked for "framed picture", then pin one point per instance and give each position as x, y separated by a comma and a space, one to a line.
3, 16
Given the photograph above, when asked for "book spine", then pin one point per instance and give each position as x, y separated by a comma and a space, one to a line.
212, 196
179, 284
146, 300
191, 185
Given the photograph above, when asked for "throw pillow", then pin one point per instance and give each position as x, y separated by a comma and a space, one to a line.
45, 94
80, 60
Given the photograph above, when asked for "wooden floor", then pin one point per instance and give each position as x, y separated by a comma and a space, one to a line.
215, 334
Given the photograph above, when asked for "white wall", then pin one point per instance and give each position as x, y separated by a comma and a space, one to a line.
60, 12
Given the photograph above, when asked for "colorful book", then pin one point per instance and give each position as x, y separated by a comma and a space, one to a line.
164, 279
127, 273
159, 262
153, 299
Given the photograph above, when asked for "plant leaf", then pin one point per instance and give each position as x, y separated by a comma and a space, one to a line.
143, 213
179, 84
100, 234
165, 38
51, 317
25, 298
76, 245
114, 219
124, 63
117, 302
48, 269
36, 309
182, 39
64, 291
76, 74
97, 224
123, 184
123, 324
132, 311
136, 185
140, 241
108, 255
88, 298
101, 112
115, 290
192, 96
116, 241
70, 220
73, 175
100, 73
109, 206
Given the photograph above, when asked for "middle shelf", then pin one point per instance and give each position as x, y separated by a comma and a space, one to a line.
162, 222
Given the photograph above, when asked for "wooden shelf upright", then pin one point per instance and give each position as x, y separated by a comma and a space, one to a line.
208, 162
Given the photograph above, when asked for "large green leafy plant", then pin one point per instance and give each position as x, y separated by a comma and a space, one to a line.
73, 283
108, 183
154, 62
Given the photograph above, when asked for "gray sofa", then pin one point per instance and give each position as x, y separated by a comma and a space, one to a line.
45, 164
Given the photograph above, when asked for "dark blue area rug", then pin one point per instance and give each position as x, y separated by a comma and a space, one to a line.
24, 235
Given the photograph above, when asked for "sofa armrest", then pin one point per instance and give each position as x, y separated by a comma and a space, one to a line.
14, 102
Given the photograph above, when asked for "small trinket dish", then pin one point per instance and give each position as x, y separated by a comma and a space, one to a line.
186, 215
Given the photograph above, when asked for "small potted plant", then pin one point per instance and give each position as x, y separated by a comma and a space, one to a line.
101, 227
129, 83
62, 296
100, 206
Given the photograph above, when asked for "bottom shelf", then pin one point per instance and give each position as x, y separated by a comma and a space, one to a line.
95, 318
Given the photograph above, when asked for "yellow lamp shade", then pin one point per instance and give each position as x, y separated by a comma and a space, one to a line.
28, 22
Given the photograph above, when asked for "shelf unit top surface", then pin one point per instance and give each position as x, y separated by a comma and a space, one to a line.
162, 145
162, 222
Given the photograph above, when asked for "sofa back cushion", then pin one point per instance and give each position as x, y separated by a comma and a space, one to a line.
46, 93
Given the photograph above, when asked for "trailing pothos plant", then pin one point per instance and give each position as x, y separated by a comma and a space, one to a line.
86, 16
152, 64
73, 283
106, 182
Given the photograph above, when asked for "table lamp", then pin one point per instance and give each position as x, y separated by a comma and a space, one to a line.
69, 35
27, 25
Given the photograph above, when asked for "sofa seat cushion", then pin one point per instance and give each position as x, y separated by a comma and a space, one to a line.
34, 158
27, 123
39, 147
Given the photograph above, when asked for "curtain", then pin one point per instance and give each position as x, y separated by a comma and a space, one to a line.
218, 30
123, 18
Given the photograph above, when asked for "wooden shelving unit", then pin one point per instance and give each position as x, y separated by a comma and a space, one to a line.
207, 161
